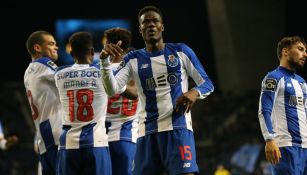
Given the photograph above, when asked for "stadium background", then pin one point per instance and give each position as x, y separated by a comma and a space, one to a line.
235, 41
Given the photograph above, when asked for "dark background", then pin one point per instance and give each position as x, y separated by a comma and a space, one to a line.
185, 21
223, 122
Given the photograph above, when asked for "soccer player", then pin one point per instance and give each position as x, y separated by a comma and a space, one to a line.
6, 142
83, 142
121, 121
43, 97
283, 110
161, 71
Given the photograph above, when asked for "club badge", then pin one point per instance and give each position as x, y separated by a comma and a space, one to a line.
172, 61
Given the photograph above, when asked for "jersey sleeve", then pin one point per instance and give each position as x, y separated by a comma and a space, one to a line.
48, 70
195, 70
266, 103
115, 82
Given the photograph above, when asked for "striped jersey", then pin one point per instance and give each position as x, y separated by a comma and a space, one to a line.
84, 101
161, 77
282, 108
44, 101
121, 120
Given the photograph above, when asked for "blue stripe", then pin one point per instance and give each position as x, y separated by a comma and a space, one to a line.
125, 131
47, 62
63, 136
207, 86
46, 133
151, 101
291, 113
178, 119
86, 136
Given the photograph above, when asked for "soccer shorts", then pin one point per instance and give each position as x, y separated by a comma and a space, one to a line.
122, 157
172, 152
48, 160
293, 161
93, 161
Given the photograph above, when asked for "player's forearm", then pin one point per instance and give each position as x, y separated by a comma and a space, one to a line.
266, 125
108, 78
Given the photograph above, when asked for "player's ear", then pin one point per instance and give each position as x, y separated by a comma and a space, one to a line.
162, 27
285, 51
37, 48
140, 30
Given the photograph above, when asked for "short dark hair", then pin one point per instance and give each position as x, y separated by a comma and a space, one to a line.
115, 34
81, 43
35, 38
150, 8
287, 42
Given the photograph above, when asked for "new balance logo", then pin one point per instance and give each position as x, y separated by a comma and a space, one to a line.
144, 66
186, 165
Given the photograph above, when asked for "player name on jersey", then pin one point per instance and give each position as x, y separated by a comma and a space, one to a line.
86, 83
76, 74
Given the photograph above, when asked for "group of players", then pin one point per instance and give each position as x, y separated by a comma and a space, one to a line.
90, 121
130, 114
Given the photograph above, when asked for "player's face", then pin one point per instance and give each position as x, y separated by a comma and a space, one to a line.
49, 48
297, 55
151, 26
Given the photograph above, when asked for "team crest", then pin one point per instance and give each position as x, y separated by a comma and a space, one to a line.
172, 61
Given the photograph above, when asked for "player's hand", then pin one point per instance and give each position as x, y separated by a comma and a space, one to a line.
111, 49
185, 102
10, 141
272, 152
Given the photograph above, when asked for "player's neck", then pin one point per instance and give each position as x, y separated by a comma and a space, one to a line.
284, 63
155, 47
86, 60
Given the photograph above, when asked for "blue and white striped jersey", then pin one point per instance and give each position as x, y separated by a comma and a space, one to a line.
44, 101
84, 101
161, 77
282, 108
122, 118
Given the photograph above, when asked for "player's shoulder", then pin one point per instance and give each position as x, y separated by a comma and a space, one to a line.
180, 47
275, 74
299, 78
134, 54
271, 80
46, 62
61, 68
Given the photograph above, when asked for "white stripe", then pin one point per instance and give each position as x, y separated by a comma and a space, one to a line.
279, 117
192, 71
163, 94
134, 131
301, 112
99, 134
142, 99
184, 86
73, 138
